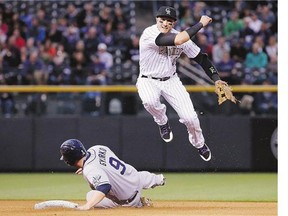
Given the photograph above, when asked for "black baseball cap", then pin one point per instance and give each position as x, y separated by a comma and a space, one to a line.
166, 11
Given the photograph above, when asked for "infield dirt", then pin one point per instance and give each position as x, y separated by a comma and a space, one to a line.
167, 208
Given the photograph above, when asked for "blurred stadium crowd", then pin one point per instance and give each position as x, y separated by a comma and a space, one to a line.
96, 43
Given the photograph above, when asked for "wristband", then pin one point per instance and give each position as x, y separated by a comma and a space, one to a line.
194, 29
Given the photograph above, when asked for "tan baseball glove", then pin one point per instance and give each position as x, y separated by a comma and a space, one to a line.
224, 92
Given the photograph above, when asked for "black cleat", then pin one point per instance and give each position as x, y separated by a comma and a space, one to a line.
166, 132
146, 202
205, 152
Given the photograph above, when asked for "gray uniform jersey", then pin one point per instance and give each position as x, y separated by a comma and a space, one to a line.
102, 166
161, 61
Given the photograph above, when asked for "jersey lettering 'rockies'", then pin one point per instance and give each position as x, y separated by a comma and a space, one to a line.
161, 61
102, 166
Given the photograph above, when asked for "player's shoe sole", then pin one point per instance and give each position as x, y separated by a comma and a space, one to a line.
205, 153
170, 137
166, 132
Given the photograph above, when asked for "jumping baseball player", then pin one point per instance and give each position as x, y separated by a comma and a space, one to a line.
160, 46
113, 182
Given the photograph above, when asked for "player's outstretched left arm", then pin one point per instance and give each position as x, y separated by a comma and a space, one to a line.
209, 68
186, 35
172, 39
96, 197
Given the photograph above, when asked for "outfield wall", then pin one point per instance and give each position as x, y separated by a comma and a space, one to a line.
237, 143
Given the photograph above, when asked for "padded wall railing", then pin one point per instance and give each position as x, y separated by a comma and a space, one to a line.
126, 88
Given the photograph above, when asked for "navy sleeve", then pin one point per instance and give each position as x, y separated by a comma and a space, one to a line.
165, 39
194, 29
209, 68
105, 188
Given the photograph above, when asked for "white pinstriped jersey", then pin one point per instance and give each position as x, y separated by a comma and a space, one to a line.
102, 166
160, 61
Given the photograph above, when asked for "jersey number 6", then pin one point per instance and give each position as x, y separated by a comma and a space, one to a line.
117, 165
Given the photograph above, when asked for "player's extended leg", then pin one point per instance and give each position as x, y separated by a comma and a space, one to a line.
150, 93
147, 180
179, 99
150, 180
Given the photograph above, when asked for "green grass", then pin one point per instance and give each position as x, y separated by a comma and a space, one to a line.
179, 186
42, 186
218, 187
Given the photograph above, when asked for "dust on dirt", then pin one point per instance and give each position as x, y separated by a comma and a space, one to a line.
165, 208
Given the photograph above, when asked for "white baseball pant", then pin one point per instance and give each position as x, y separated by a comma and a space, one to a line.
175, 93
147, 180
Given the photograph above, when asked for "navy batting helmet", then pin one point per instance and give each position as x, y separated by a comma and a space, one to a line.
72, 150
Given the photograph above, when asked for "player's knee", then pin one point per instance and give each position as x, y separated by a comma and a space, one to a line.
89, 195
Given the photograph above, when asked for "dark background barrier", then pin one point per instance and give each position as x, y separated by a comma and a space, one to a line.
237, 143
262, 148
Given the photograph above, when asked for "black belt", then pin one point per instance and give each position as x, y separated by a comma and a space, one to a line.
157, 78
123, 202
